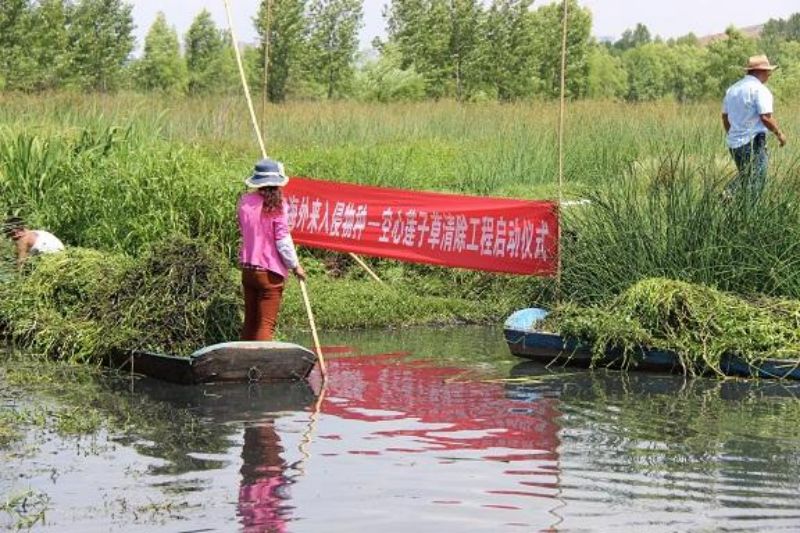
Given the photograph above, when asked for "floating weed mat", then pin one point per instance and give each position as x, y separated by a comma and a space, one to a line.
698, 323
82, 304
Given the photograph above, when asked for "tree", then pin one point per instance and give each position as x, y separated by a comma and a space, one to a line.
639, 36
50, 44
778, 31
548, 24
210, 58
161, 67
333, 42
726, 58
286, 32
384, 79
690, 39
786, 82
465, 19
688, 74
101, 41
422, 31
508, 49
648, 70
404, 21
607, 78
17, 66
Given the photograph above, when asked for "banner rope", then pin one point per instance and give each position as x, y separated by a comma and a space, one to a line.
259, 136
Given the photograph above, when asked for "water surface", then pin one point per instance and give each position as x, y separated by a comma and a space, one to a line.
426, 430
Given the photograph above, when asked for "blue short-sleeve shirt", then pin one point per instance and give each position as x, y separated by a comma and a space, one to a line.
744, 103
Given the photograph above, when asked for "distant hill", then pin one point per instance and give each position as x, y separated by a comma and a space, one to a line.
750, 31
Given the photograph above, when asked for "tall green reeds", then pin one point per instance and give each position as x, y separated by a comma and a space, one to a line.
119, 172
676, 224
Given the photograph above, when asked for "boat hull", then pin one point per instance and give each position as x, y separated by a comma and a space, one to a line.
232, 362
549, 348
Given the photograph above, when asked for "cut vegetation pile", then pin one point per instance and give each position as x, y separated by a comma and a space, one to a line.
83, 304
698, 323
182, 295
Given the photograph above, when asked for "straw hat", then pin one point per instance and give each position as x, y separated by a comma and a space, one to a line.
267, 173
759, 63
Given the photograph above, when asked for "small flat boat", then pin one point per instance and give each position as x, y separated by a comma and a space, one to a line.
232, 362
526, 340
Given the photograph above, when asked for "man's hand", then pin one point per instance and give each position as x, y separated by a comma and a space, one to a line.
772, 125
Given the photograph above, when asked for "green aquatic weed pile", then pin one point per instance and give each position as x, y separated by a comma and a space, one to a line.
698, 323
183, 294
84, 304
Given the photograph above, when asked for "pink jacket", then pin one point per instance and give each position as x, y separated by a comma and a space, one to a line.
266, 241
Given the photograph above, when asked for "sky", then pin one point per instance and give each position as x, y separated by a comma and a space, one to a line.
670, 18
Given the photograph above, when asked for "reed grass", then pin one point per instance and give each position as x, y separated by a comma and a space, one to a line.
677, 225
117, 173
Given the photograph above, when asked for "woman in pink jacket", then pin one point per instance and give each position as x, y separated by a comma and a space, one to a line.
267, 253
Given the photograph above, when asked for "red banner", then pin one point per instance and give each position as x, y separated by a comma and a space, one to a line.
489, 234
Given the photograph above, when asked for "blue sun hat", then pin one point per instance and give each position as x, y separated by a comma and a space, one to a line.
267, 173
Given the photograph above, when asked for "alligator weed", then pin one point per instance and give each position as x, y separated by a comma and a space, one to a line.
183, 294
83, 304
699, 323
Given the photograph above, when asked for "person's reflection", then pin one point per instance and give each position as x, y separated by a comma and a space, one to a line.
263, 495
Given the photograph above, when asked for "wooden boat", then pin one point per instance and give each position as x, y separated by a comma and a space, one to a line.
254, 362
525, 340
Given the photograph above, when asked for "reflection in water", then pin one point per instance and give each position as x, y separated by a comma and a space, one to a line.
405, 442
264, 495
417, 442
448, 415
670, 453
428, 450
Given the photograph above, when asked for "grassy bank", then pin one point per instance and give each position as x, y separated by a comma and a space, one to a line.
118, 174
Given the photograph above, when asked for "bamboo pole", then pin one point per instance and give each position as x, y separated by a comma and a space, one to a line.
267, 43
261, 144
243, 77
322, 366
561, 116
366, 267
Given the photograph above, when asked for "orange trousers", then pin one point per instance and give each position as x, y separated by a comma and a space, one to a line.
263, 291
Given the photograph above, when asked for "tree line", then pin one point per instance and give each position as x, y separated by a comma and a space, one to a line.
463, 49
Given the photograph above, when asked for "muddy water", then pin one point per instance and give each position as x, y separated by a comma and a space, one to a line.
423, 430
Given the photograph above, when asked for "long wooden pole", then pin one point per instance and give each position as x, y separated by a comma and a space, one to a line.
243, 77
366, 267
322, 367
267, 37
246, 87
561, 116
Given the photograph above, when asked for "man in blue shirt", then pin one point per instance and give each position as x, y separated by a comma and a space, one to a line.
747, 116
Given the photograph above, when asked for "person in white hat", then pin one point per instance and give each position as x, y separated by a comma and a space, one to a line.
267, 253
747, 114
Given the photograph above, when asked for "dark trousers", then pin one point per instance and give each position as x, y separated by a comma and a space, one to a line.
263, 291
751, 161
